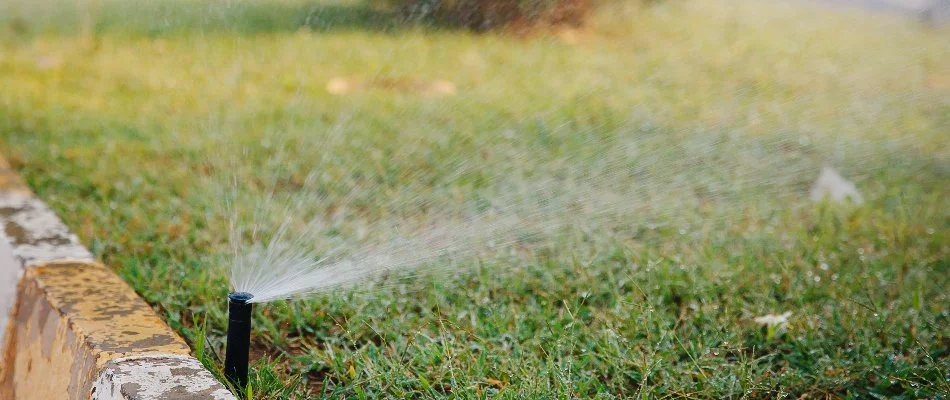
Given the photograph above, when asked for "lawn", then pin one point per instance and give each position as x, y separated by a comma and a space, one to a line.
147, 124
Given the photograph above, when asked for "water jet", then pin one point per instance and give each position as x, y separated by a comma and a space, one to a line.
237, 352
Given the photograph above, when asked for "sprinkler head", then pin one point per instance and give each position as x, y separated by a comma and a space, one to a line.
238, 349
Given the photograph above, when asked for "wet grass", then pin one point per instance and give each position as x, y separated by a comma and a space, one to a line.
128, 126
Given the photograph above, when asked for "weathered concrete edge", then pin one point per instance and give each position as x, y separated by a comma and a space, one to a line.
71, 328
133, 377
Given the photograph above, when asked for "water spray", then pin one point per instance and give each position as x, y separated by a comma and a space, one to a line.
238, 349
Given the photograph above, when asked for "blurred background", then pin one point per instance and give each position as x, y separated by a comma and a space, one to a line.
705, 198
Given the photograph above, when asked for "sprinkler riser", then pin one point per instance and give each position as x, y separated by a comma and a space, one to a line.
237, 352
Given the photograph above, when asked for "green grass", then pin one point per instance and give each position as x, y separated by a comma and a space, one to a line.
127, 126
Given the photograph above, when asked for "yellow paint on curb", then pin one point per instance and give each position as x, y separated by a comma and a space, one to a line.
72, 328
70, 321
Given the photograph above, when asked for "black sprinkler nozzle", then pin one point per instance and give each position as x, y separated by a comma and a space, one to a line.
237, 353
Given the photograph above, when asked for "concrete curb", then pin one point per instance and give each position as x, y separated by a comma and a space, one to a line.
70, 328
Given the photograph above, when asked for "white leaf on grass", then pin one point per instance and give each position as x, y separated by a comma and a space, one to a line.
773, 320
833, 186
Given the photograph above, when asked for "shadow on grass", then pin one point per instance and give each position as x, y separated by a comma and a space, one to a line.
161, 18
